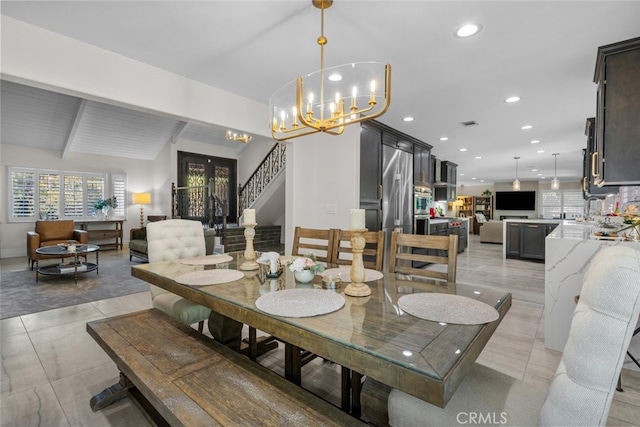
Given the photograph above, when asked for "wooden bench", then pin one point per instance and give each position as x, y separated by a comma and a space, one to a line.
182, 378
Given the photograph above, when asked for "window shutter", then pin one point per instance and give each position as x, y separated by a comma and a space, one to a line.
23, 192
119, 183
73, 196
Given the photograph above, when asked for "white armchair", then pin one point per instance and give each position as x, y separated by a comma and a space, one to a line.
168, 241
584, 384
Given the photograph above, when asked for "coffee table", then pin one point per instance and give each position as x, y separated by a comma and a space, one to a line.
67, 268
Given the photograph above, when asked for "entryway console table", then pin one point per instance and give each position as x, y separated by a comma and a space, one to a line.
106, 233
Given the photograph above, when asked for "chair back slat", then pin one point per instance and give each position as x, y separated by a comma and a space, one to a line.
312, 240
372, 254
439, 252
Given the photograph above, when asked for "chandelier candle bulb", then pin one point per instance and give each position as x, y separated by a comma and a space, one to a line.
357, 219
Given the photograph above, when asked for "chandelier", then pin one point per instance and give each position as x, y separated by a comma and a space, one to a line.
516, 183
234, 136
555, 184
329, 99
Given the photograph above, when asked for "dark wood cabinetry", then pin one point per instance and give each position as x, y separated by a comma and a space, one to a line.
617, 134
422, 165
527, 240
445, 177
589, 188
371, 176
373, 135
106, 233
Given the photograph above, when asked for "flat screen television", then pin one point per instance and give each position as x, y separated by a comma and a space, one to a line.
516, 200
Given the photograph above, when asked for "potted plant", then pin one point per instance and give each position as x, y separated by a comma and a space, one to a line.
486, 193
105, 204
304, 268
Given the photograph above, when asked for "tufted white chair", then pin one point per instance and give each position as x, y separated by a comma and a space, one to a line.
584, 384
168, 241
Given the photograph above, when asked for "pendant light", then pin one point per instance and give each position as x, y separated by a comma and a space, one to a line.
555, 184
516, 183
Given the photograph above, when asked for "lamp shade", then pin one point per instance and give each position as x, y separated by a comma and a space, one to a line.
142, 198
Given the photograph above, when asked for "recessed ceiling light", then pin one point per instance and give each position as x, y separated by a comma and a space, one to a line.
543, 177
444, 138
335, 77
482, 180
540, 151
463, 149
408, 119
535, 141
539, 174
512, 99
534, 170
473, 177
461, 174
468, 30
478, 157
526, 127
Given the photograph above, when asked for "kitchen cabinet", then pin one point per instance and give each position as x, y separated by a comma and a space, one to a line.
373, 136
444, 193
527, 240
617, 74
459, 228
422, 164
371, 176
449, 172
589, 188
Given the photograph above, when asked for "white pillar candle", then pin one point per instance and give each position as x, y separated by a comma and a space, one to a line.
356, 219
249, 216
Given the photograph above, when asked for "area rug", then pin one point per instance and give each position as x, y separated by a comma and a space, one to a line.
20, 294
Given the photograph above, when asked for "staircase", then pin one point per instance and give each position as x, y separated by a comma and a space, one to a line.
267, 238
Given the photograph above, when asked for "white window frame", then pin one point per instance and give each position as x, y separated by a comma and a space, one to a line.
569, 202
113, 185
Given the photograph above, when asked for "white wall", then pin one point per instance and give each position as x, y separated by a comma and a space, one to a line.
322, 176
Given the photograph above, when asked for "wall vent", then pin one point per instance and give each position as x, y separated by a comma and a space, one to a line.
470, 123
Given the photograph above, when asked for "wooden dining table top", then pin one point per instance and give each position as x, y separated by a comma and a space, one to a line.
370, 335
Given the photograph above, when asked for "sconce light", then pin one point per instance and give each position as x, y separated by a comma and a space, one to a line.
142, 199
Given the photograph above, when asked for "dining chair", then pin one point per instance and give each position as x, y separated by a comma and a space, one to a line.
372, 255
171, 240
584, 384
436, 256
312, 240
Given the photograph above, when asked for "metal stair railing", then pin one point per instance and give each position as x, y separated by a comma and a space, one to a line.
270, 166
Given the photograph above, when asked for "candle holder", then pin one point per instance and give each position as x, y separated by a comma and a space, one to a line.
250, 263
357, 287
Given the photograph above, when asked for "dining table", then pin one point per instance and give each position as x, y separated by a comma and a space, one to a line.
368, 336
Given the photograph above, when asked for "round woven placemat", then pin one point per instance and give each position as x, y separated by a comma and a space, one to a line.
206, 260
448, 308
300, 302
345, 274
209, 277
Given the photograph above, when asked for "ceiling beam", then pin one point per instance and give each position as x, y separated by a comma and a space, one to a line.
77, 118
179, 130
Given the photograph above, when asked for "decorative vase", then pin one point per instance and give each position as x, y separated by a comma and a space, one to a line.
105, 212
304, 276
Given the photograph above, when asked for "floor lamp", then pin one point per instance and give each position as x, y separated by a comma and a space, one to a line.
142, 199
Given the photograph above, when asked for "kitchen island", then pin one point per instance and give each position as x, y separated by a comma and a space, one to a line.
569, 250
525, 238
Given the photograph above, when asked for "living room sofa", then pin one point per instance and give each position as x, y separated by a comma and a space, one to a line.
491, 232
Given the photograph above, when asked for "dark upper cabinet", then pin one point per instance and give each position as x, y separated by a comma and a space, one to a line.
589, 188
617, 132
445, 179
449, 172
370, 164
422, 165
371, 175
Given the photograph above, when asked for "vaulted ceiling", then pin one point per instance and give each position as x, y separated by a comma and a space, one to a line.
542, 51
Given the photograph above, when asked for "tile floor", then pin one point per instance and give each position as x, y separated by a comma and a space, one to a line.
51, 367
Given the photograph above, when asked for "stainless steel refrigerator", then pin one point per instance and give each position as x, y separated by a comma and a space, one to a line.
397, 193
